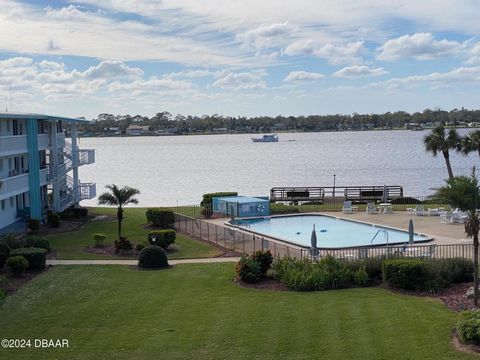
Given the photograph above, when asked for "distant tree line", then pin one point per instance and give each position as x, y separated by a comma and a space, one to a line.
180, 124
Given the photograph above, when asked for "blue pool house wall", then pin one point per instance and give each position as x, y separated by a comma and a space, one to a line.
241, 206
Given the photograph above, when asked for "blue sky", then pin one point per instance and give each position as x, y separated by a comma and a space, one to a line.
250, 57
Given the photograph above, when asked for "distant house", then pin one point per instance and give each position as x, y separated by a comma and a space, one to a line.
137, 130
111, 131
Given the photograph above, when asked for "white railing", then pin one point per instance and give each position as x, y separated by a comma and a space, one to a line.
10, 145
45, 176
87, 191
86, 156
13, 185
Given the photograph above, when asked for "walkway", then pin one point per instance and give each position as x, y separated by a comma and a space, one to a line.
135, 262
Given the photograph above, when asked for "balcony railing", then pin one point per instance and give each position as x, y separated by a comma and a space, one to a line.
11, 145
13, 185
87, 191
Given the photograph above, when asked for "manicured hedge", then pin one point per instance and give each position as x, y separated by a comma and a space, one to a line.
36, 257
163, 238
162, 218
405, 274
253, 268
99, 239
468, 326
17, 264
152, 257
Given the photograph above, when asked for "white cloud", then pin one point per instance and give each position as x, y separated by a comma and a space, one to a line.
252, 80
356, 71
333, 53
303, 76
461, 75
421, 46
267, 36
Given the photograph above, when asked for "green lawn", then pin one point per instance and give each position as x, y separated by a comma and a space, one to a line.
70, 245
197, 312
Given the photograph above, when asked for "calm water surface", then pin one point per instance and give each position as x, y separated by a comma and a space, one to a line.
180, 169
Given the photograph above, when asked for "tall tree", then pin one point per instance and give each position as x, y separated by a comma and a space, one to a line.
463, 192
437, 141
118, 197
471, 142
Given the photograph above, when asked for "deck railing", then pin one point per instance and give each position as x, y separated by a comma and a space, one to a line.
245, 243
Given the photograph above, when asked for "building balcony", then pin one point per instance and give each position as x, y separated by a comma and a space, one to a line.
86, 156
18, 184
17, 144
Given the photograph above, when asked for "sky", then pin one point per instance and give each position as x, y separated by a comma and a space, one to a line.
238, 58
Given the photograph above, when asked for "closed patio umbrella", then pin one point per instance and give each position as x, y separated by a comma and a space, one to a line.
410, 232
385, 194
313, 241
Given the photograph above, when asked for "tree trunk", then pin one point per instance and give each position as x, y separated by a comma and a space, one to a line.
119, 218
475, 269
446, 155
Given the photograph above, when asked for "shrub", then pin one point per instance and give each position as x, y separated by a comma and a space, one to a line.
74, 213
17, 264
99, 239
33, 225
163, 238
42, 243
2, 294
450, 271
360, 277
249, 270
123, 245
3, 259
5, 249
53, 219
307, 275
36, 257
406, 201
13, 241
162, 218
264, 258
373, 266
152, 257
207, 201
405, 274
140, 246
468, 326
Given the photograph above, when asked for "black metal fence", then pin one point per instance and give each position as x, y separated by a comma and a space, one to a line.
236, 239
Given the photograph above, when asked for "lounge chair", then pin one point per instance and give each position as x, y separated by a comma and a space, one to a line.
446, 217
420, 211
458, 217
348, 208
371, 209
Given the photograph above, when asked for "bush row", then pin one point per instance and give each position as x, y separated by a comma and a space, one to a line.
328, 273
425, 275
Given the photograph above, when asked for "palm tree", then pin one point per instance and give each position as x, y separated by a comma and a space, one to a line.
463, 192
118, 197
437, 142
471, 142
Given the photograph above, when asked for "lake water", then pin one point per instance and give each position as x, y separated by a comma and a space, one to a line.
171, 169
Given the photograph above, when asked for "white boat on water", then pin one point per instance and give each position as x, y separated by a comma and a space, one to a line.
266, 138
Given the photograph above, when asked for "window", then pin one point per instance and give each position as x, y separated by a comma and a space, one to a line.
3, 204
11, 202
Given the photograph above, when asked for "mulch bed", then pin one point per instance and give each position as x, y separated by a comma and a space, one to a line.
267, 284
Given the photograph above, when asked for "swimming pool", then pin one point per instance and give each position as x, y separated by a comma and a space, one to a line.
331, 232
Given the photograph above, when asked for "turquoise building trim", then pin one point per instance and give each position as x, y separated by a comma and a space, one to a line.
34, 169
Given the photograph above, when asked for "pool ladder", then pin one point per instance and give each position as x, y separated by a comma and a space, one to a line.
386, 237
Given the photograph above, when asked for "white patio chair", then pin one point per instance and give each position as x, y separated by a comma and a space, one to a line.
371, 209
420, 211
458, 217
348, 208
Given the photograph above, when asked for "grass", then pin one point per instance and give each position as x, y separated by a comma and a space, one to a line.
197, 312
70, 245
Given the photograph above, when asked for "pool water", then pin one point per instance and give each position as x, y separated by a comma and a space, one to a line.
331, 232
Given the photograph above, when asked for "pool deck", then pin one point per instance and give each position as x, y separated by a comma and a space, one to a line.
431, 226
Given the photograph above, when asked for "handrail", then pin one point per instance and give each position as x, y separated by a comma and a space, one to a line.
379, 231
